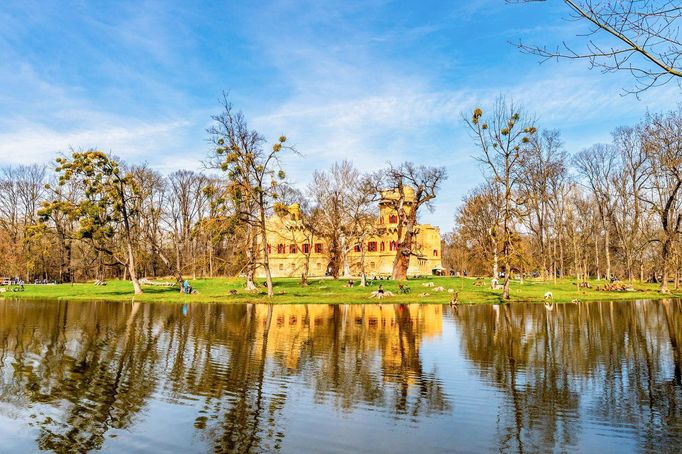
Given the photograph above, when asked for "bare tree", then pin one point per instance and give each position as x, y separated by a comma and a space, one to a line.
637, 36
629, 183
598, 165
408, 187
344, 199
478, 222
253, 176
503, 137
187, 204
541, 178
662, 139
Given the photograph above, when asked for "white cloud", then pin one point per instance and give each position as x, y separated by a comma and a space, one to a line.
134, 141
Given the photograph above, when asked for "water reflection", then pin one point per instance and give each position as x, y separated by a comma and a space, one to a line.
98, 363
260, 378
578, 364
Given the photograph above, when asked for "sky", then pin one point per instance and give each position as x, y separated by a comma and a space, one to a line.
371, 81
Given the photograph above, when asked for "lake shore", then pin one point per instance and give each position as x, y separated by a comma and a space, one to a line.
328, 291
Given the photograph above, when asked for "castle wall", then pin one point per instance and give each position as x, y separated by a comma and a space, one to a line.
287, 239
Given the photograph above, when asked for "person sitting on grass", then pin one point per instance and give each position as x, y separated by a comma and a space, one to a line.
186, 288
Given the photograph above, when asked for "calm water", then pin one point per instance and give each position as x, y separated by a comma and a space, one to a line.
375, 378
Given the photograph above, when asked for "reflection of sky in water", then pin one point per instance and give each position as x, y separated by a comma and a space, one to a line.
451, 356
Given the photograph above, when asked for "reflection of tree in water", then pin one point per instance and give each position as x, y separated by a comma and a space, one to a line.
627, 354
86, 368
344, 368
332, 348
99, 377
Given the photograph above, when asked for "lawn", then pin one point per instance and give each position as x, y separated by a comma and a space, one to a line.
328, 291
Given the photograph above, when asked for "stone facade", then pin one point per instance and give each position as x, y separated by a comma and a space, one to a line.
289, 243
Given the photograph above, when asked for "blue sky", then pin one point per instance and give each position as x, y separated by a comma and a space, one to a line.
370, 81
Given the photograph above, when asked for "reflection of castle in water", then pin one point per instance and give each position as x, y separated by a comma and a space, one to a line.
101, 364
395, 331
80, 373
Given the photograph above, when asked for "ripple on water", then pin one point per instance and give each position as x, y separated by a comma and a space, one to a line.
375, 378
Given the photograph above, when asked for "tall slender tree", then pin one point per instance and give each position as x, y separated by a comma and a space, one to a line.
503, 137
254, 174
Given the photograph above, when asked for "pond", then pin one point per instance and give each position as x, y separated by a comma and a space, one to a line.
82, 376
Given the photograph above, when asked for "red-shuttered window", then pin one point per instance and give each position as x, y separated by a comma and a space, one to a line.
382, 247
269, 249
280, 249
394, 246
318, 248
435, 252
306, 248
292, 248
393, 219
372, 246
357, 248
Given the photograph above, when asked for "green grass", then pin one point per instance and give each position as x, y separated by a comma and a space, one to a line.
328, 291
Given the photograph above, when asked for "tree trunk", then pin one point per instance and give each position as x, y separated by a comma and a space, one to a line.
306, 265
131, 269
178, 255
401, 264
543, 255
363, 275
209, 246
264, 241
496, 269
596, 256
554, 261
561, 254
251, 259
344, 257
607, 240
641, 271
505, 290
576, 259
665, 257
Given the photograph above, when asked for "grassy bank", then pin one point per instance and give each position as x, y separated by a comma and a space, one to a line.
327, 291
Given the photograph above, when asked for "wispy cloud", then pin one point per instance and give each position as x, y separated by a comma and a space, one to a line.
372, 81
133, 141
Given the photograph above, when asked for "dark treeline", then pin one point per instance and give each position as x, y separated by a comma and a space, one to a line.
610, 210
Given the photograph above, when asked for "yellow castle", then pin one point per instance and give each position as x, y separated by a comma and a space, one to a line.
290, 244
